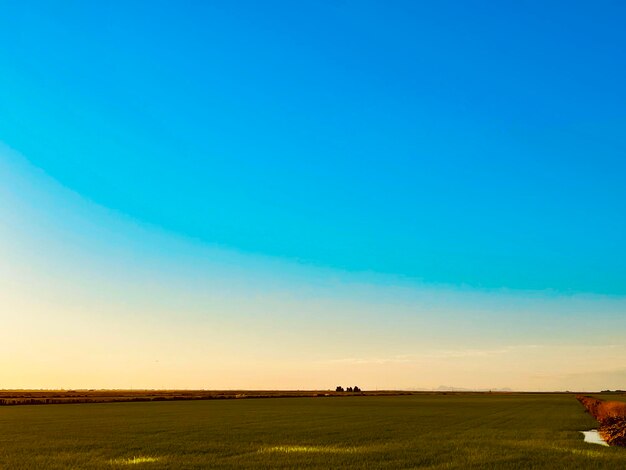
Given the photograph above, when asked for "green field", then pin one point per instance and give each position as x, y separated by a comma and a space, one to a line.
610, 396
422, 431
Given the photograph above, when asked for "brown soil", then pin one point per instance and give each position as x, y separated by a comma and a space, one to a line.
612, 418
51, 397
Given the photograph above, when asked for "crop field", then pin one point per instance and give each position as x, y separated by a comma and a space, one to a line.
438, 431
610, 396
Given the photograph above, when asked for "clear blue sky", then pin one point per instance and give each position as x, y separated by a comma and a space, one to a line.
299, 195
459, 143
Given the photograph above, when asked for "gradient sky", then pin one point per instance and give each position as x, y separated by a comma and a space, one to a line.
300, 195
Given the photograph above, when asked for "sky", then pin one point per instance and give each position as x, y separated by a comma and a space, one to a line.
302, 195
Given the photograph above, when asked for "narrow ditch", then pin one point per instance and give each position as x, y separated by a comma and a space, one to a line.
611, 415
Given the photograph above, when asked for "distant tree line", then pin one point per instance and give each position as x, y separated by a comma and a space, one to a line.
354, 389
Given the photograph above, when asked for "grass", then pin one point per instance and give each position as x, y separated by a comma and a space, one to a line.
517, 431
613, 396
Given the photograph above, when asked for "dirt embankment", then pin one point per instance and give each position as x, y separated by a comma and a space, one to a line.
612, 418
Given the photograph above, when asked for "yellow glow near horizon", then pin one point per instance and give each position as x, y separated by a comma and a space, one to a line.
90, 299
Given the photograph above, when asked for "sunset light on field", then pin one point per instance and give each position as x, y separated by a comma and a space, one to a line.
313, 235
